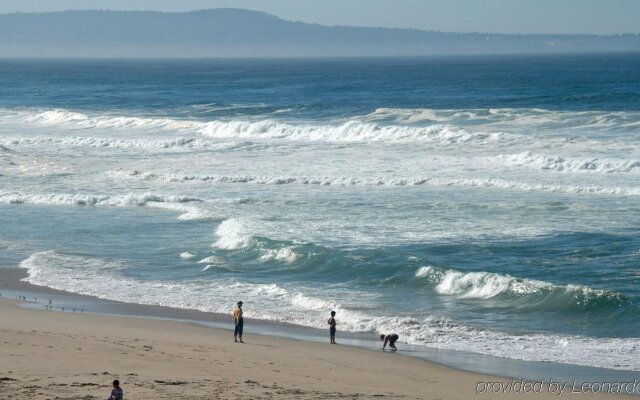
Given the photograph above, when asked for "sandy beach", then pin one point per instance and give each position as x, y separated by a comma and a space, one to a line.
47, 355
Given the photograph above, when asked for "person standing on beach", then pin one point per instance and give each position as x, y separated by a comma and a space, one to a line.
332, 327
391, 339
116, 392
237, 317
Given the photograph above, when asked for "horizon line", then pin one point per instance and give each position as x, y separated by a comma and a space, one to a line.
326, 58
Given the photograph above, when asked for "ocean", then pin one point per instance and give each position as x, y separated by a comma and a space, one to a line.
484, 204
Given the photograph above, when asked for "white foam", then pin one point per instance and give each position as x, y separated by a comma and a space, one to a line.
209, 260
122, 200
56, 116
352, 131
58, 142
426, 271
486, 285
349, 131
183, 204
19, 164
557, 163
531, 187
478, 285
390, 181
512, 117
285, 254
232, 235
614, 353
188, 212
187, 256
85, 121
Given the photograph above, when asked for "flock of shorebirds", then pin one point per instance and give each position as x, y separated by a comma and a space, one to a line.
49, 306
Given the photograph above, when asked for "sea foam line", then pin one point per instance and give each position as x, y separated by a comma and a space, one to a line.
125, 200
107, 143
380, 181
557, 163
513, 117
185, 205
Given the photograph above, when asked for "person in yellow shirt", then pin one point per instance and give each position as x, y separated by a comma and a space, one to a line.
237, 317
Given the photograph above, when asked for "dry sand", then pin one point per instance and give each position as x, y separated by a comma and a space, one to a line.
54, 355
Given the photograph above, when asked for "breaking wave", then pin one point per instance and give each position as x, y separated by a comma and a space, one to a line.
285, 254
349, 131
352, 131
514, 117
519, 292
232, 235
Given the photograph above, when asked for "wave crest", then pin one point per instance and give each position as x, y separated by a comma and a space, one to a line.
534, 293
285, 254
349, 131
232, 235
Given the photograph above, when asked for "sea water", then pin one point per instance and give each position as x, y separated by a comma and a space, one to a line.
484, 204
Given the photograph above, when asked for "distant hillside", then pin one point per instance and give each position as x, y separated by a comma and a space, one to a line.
243, 33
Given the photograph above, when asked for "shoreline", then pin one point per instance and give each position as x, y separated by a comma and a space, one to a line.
457, 362
75, 356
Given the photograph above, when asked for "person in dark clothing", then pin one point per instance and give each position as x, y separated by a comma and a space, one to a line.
391, 339
332, 327
116, 392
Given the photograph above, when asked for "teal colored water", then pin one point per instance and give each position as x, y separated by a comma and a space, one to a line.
485, 204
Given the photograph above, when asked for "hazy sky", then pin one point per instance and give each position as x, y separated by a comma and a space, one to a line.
503, 16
